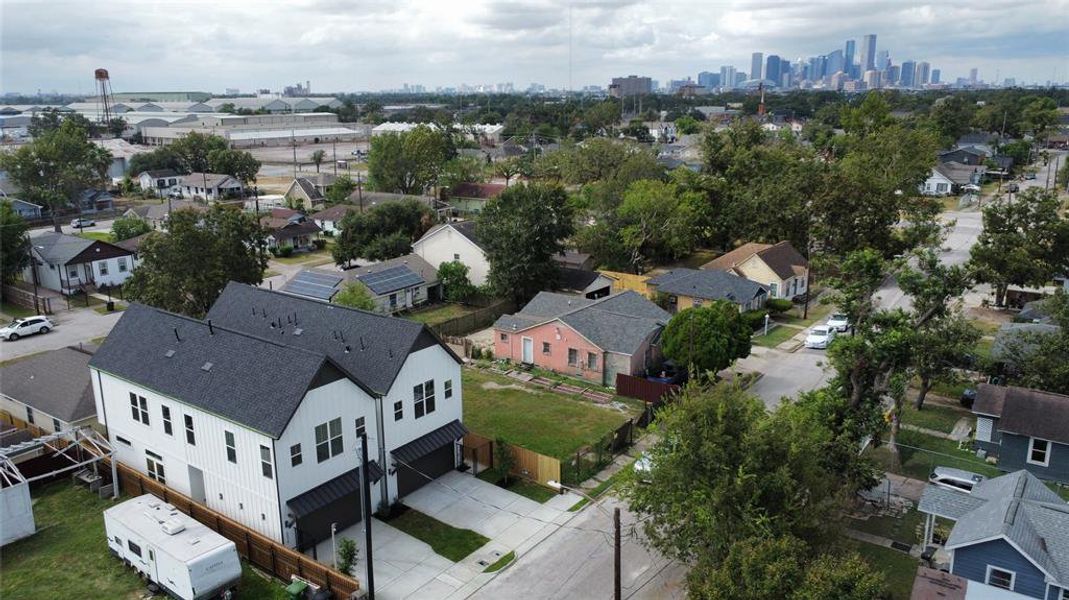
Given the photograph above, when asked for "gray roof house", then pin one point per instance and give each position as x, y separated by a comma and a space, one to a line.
66, 263
397, 284
593, 339
1010, 533
51, 389
258, 410
1025, 429
691, 287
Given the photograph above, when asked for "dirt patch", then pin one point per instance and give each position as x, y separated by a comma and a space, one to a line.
493, 385
989, 319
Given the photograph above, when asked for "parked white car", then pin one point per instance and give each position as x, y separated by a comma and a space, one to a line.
955, 479
819, 337
24, 327
82, 222
839, 322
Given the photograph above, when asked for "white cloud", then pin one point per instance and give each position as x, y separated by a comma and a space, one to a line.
374, 44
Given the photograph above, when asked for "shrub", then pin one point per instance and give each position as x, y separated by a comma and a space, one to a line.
319, 244
274, 251
778, 305
755, 318
346, 555
285, 251
503, 459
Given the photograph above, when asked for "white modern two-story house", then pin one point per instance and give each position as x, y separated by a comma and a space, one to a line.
257, 411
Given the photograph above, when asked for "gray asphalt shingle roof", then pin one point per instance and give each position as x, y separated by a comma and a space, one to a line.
56, 383
1019, 508
244, 378
617, 323
370, 347
58, 248
707, 285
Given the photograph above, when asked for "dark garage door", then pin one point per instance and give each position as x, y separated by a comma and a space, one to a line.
315, 527
438, 462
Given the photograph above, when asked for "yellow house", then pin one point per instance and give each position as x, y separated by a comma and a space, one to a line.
690, 287
778, 266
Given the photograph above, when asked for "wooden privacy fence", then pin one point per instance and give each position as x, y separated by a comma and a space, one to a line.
258, 549
527, 464
478, 319
654, 393
41, 305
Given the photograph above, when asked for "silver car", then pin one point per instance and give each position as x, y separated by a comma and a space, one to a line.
24, 327
819, 337
955, 479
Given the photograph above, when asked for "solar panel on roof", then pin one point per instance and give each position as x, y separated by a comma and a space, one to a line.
391, 280
321, 286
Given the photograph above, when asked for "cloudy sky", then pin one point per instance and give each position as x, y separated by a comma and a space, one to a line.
347, 45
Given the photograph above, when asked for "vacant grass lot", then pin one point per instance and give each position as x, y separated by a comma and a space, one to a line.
440, 313
68, 556
539, 420
451, 542
14, 311
898, 568
920, 453
939, 417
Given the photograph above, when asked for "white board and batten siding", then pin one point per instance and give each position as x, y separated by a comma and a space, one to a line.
237, 490
340, 399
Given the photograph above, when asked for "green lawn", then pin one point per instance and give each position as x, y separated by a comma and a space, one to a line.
539, 420
319, 257
68, 557
694, 260
939, 417
775, 337
907, 529
898, 568
103, 236
501, 562
14, 311
103, 308
440, 313
983, 347
451, 542
933, 452
817, 312
518, 485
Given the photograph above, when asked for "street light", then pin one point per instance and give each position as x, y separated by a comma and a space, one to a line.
616, 530
333, 545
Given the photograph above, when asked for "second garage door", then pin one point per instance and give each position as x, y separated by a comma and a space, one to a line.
437, 463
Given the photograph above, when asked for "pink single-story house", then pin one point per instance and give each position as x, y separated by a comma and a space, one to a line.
591, 339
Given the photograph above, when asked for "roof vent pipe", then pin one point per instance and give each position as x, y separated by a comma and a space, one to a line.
176, 334
211, 330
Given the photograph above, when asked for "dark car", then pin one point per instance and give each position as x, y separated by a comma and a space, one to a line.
968, 397
1013, 188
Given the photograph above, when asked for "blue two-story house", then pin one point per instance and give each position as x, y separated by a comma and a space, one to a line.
1024, 429
1010, 537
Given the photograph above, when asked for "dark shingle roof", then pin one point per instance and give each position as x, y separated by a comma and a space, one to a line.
576, 279
1024, 411
55, 382
334, 213
58, 248
782, 258
377, 344
708, 285
244, 378
464, 228
617, 323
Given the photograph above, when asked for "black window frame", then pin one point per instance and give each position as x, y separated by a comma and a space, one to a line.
165, 416
398, 410
448, 387
231, 446
267, 466
191, 434
296, 455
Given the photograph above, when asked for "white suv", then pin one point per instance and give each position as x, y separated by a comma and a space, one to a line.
24, 327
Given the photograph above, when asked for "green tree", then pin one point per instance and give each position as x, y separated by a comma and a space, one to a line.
355, 295
116, 126
508, 168
1023, 242
657, 222
521, 231
339, 191
462, 169
409, 162
347, 553
1040, 116
237, 163
14, 242
157, 160
44, 121
192, 151
317, 158
187, 268
1020, 151
125, 228
838, 578
504, 461
940, 349
1038, 358
58, 164
951, 117
707, 339
454, 278
384, 232
687, 125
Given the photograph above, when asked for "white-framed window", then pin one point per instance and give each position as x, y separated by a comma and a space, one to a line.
1000, 578
773, 289
265, 462
73, 274
166, 412
423, 398
103, 267
155, 467
1038, 452
231, 447
191, 438
295, 455
591, 361
328, 440
456, 256
942, 188
139, 408
448, 385
398, 410
29, 415
122, 264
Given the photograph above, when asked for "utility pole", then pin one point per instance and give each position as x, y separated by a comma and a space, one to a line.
616, 553
366, 501
335, 145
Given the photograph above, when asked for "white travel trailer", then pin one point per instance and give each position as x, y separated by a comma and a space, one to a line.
171, 549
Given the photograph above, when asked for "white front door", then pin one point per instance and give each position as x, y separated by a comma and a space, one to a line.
528, 350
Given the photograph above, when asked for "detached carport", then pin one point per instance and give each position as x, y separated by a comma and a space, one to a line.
334, 502
427, 457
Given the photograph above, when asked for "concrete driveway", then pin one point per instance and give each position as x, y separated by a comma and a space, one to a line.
72, 327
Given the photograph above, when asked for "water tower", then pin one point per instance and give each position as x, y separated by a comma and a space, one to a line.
104, 98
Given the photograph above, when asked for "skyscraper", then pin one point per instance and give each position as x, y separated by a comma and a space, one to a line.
709, 80
757, 60
727, 77
892, 74
816, 67
909, 73
883, 59
835, 62
923, 72
848, 58
772, 69
868, 52
935, 79
974, 75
